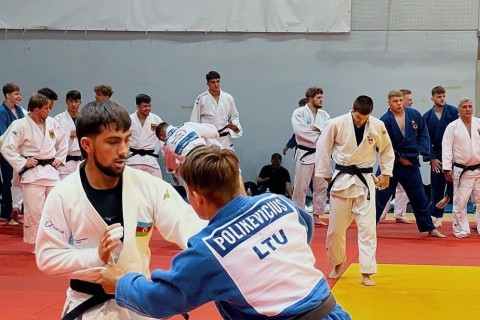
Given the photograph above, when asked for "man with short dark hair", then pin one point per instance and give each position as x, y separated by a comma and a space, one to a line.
217, 107
275, 178
353, 141
105, 213
437, 120
143, 141
67, 120
51, 95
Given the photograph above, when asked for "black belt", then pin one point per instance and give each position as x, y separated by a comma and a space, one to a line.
40, 162
73, 158
99, 296
322, 311
352, 170
309, 150
222, 132
143, 152
465, 169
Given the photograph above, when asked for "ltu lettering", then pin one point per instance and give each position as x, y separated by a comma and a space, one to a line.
270, 244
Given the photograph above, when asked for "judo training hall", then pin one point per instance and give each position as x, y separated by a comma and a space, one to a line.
159, 56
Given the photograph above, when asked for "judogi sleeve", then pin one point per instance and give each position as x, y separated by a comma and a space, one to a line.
10, 150
54, 253
193, 280
326, 144
234, 118
385, 151
423, 138
62, 144
447, 147
195, 116
302, 129
174, 218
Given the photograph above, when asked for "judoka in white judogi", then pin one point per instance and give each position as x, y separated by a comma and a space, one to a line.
461, 150
220, 113
350, 198
68, 237
74, 154
143, 139
26, 140
307, 128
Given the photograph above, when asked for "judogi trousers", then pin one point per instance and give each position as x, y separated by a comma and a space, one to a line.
438, 184
34, 200
342, 212
469, 183
400, 207
304, 173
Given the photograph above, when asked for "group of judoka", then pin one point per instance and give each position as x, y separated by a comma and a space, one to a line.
92, 198
448, 137
98, 165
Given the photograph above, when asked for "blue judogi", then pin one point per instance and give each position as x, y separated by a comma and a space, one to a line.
6, 119
436, 128
253, 260
410, 145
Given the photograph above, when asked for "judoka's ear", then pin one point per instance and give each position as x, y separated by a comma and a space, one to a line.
87, 144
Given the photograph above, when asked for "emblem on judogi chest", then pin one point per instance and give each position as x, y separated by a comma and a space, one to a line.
166, 195
370, 139
153, 126
52, 134
414, 125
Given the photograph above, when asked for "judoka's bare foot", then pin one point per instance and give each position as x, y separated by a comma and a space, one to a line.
436, 234
318, 221
474, 228
366, 280
462, 235
335, 273
403, 220
437, 222
443, 203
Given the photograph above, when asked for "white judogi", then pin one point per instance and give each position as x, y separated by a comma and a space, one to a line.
348, 196
71, 230
25, 139
144, 138
180, 140
67, 124
459, 147
207, 110
302, 121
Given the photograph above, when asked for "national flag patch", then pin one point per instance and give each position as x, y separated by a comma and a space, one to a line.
143, 229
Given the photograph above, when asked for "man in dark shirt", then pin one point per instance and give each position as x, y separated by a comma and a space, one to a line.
275, 178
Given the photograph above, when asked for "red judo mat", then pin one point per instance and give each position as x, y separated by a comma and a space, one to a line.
26, 293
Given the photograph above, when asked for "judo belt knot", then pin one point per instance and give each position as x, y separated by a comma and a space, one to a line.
354, 171
304, 148
40, 162
465, 169
99, 296
224, 131
143, 152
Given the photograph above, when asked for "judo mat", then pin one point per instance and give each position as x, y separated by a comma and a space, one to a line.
418, 278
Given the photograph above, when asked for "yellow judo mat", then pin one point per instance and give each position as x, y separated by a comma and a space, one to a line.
411, 292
